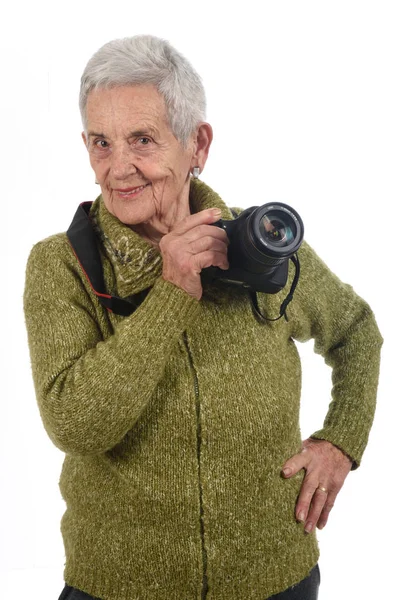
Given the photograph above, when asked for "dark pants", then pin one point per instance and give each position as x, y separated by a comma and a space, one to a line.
305, 590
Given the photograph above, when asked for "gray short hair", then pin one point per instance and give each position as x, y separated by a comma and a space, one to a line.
146, 59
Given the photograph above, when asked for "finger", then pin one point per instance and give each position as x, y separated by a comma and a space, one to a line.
317, 505
329, 504
209, 216
208, 243
206, 230
296, 463
307, 492
209, 258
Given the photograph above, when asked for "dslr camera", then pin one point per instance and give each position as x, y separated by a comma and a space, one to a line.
262, 240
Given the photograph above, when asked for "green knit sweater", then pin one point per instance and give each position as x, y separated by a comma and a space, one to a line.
176, 420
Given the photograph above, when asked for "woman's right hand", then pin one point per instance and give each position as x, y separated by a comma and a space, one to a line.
192, 245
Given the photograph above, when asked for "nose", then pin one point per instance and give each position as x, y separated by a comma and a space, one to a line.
122, 162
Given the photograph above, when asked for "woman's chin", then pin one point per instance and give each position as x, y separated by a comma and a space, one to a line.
132, 216
129, 211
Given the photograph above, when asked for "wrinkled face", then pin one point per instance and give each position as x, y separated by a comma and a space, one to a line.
141, 167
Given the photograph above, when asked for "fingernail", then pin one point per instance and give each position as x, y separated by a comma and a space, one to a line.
308, 527
287, 471
216, 211
301, 516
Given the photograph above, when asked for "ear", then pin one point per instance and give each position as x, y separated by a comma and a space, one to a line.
202, 145
84, 138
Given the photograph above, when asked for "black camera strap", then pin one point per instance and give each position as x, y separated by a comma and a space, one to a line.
82, 238
287, 300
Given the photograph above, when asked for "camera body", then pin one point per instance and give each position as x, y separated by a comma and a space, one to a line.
261, 242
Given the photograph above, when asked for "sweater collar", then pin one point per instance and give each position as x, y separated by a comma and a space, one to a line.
136, 263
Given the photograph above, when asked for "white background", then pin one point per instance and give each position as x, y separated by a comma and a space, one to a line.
304, 99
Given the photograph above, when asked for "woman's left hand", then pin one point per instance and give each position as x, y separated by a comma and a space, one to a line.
326, 469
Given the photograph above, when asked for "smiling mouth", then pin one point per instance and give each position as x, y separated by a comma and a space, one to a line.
128, 192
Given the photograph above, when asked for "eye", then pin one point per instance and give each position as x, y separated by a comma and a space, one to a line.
144, 141
101, 143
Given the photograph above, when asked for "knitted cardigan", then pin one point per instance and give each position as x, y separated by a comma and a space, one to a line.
176, 420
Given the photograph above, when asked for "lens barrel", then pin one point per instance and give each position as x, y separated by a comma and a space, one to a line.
272, 233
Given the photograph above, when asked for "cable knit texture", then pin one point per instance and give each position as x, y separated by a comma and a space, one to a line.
176, 421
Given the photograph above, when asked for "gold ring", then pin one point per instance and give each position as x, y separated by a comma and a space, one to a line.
323, 489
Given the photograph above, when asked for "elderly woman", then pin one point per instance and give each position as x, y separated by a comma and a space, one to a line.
185, 476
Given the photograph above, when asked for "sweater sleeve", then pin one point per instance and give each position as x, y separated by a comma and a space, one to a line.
91, 391
346, 335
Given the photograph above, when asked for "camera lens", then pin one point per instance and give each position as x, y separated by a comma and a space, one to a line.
272, 233
275, 230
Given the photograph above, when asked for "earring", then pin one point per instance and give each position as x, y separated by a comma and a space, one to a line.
196, 172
